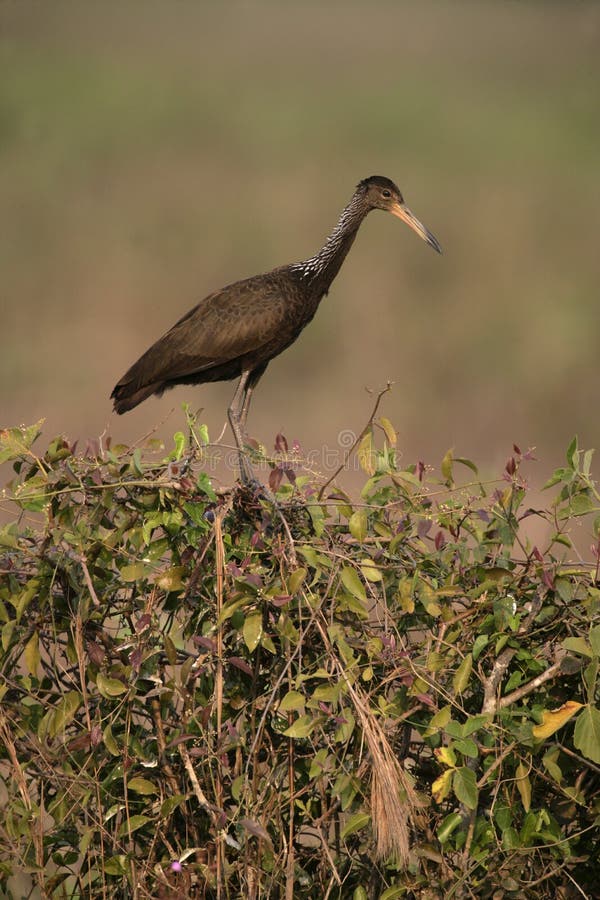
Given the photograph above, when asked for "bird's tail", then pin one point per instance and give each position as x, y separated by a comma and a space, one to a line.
126, 396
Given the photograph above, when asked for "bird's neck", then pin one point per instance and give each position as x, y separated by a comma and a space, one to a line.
320, 270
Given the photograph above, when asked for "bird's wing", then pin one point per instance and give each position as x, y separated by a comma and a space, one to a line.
239, 319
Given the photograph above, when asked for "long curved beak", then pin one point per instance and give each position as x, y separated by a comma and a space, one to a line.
404, 213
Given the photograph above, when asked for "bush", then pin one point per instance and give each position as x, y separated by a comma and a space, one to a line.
393, 697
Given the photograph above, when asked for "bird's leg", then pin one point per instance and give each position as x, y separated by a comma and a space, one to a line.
253, 380
234, 414
237, 412
245, 407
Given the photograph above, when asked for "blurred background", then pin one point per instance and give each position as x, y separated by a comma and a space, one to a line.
151, 153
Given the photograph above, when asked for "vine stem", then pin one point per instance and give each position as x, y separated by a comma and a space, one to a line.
220, 566
357, 441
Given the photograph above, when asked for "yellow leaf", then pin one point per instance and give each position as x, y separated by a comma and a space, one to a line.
447, 466
370, 570
553, 719
524, 785
171, 579
358, 525
441, 786
390, 432
405, 596
365, 454
446, 755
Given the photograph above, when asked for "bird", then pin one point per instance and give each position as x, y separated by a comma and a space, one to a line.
235, 332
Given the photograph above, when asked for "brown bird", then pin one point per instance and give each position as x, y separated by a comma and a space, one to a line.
237, 331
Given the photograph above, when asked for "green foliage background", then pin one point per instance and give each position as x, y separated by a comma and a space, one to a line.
148, 157
193, 706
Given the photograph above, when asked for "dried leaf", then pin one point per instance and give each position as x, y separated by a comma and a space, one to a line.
442, 785
554, 719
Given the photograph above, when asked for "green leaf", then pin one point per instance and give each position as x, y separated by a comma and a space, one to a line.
252, 630
170, 650
462, 674
578, 645
479, 644
438, 721
510, 839
292, 700
474, 723
115, 865
581, 504
110, 687
587, 733
345, 601
64, 713
448, 825
446, 466
465, 787
572, 453
133, 824
204, 485
395, 892
171, 804
355, 823
319, 763
352, 583
552, 767
345, 728
595, 639
296, 580
523, 785
468, 463
301, 728
328, 693
180, 444
467, 747
15, 442
358, 525
110, 742
31, 654
142, 786
133, 572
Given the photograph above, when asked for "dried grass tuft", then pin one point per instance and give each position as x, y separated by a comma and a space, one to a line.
395, 806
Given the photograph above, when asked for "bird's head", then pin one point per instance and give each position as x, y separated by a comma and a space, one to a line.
381, 193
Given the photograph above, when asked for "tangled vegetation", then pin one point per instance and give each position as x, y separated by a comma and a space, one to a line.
394, 697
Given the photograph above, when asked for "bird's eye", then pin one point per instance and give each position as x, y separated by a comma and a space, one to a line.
385, 193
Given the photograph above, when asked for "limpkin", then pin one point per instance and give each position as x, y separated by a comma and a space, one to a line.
237, 331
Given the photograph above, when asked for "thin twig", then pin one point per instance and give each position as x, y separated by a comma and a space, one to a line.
351, 449
529, 687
